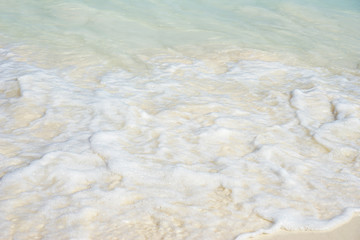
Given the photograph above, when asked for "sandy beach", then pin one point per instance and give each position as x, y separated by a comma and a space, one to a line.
173, 120
348, 231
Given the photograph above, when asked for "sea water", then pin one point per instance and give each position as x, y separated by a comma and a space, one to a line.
191, 119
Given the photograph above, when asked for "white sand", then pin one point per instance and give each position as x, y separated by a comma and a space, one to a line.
348, 231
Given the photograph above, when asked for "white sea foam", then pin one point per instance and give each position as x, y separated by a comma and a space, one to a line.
180, 152
177, 120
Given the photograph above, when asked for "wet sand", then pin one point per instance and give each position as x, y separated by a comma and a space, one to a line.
348, 231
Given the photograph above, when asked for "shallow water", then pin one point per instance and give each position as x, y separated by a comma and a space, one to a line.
177, 120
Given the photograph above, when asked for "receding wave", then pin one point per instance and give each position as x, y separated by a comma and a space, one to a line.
118, 122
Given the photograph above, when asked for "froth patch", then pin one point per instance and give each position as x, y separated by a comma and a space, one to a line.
313, 107
184, 151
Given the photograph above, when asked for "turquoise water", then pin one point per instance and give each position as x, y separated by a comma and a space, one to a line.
322, 32
161, 119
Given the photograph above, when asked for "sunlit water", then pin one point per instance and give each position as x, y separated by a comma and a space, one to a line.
177, 119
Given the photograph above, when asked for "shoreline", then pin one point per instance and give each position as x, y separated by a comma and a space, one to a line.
349, 231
